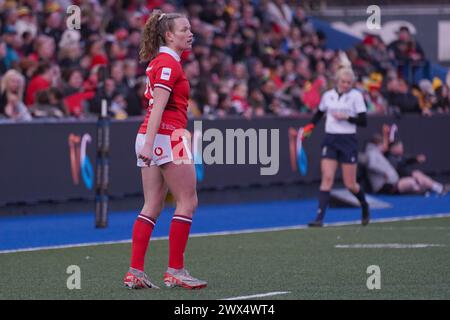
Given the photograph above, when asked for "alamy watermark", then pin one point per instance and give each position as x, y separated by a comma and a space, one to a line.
73, 21
74, 280
234, 146
374, 280
373, 22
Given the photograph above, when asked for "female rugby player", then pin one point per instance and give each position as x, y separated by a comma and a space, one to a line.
345, 110
164, 39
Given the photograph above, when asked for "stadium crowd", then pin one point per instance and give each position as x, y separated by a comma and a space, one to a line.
250, 58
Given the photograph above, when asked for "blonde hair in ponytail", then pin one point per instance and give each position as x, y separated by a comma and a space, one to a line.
154, 33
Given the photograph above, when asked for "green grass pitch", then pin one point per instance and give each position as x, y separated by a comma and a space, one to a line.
304, 262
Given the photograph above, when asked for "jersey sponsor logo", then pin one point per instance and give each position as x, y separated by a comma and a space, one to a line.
158, 151
167, 126
161, 158
165, 73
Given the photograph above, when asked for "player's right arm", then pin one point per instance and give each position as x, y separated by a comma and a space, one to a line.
163, 78
160, 98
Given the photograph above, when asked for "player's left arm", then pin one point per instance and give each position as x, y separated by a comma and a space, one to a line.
361, 111
360, 120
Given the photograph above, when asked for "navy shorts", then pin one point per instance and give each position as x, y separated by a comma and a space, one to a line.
340, 147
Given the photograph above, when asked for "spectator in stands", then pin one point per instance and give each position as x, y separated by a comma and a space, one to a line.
73, 81
54, 22
409, 54
134, 40
27, 23
257, 74
239, 99
41, 80
390, 173
10, 38
269, 45
415, 180
375, 53
3, 66
442, 104
119, 106
425, 95
400, 97
11, 95
212, 103
312, 93
136, 102
117, 74
44, 49
130, 73
225, 107
115, 100
96, 54
300, 19
257, 103
376, 103
115, 49
280, 15
240, 72
70, 53
27, 46
91, 25
406, 48
76, 97
381, 174
268, 91
48, 104
279, 108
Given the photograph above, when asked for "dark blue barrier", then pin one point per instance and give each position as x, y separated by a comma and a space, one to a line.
43, 161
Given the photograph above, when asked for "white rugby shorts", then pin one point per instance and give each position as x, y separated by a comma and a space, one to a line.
164, 150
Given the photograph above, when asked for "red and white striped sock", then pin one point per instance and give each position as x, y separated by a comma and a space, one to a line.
178, 237
142, 232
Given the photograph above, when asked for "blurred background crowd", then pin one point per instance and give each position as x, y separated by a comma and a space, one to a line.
250, 58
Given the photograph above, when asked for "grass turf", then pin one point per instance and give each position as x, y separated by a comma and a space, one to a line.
304, 262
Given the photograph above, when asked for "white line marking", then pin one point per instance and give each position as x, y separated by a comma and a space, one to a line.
388, 246
66, 246
226, 233
411, 228
260, 295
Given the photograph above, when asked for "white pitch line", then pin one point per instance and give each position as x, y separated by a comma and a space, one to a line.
388, 246
66, 246
260, 295
226, 233
393, 219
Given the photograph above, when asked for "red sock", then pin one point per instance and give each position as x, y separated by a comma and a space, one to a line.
178, 237
142, 232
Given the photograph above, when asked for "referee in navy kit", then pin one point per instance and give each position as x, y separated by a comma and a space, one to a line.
345, 110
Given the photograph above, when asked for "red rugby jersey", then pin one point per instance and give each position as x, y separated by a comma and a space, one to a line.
165, 72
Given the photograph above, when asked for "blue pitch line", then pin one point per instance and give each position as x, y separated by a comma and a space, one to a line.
33, 231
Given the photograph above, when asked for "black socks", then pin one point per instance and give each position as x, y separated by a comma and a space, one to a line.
361, 196
324, 199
